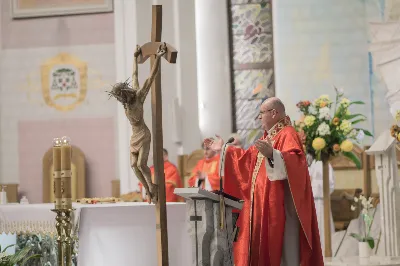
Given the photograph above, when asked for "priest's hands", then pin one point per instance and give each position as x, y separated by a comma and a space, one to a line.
201, 175
264, 147
215, 145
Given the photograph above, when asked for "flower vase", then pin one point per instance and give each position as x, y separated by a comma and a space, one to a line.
364, 250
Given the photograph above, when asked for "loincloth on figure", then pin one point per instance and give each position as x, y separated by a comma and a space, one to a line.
138, 138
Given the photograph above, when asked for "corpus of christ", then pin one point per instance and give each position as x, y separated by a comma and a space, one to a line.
204, 133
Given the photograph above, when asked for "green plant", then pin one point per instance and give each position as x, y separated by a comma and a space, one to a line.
365, 205
328, 130
20, 257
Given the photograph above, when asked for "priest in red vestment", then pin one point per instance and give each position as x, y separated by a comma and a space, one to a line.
206, 172
172, 180
278, 223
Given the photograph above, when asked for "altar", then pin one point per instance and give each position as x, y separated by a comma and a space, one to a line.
109, 234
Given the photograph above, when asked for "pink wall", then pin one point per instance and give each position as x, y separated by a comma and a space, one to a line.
94, 136
55, 31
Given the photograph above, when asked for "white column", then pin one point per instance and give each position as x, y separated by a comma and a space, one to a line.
124, 26
213, 69
1, 151
187, 131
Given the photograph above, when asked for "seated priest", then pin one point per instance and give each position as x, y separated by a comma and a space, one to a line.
206, 172
172, 180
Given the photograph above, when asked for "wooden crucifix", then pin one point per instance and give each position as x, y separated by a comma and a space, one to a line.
150, 50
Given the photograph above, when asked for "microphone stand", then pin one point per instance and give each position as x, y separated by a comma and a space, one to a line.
221, 188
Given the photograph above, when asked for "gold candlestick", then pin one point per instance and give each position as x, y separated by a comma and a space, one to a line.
57, 171
66, 195
60, 236
63, 207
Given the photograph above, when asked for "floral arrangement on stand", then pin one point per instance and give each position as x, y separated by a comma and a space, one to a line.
366, 242
20, 257
395, 129
327, 130
325, 133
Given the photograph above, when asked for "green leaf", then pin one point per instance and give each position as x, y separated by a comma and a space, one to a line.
357, 236
371, 242
357, 102
353, 158
357, 121
366, 132
28, 258
6, 248
353, 116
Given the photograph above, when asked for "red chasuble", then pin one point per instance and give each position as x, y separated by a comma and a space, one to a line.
211, 168
172, 181
262, 219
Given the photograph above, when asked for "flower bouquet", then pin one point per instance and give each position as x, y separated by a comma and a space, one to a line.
327, 130
366, 242
325, 133
395, 129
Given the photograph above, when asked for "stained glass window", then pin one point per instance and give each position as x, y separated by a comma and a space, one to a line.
252, 63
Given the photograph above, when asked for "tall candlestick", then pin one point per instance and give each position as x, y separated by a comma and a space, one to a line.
57, 172
66, 194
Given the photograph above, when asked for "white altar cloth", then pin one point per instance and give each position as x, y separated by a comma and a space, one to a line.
110, 234
125, 234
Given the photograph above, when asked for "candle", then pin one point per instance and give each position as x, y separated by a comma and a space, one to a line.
66, 173
57, 172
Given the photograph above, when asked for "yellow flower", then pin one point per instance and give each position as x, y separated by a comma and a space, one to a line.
346, 126
318, 144
309, 120
322, 104
324, 97
346, 146
398, 115
345, 102
398, 136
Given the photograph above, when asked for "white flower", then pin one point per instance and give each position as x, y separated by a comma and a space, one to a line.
360, 136
364, 211
312, 110
352, 134
323, 129
324, 113
355, 199
353, 208
340, 91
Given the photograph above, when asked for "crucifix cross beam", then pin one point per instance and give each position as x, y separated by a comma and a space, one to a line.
149, 50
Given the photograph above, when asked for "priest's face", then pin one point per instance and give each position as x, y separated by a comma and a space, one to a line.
208, 153
268, 117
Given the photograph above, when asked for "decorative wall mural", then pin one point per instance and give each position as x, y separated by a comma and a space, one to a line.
62, 83
252, 63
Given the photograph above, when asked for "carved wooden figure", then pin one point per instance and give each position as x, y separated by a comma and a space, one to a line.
132, 98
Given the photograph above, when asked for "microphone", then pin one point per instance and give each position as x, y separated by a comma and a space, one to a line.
222, 164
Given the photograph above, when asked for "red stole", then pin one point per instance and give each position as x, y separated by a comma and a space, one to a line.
262, 219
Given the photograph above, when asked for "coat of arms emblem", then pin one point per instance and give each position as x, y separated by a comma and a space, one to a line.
64, 82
